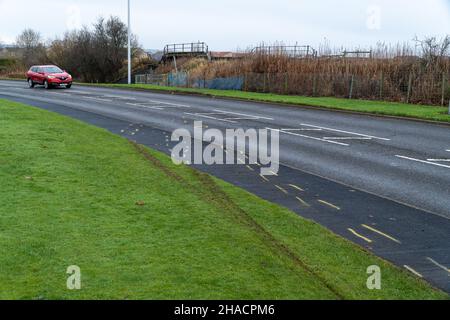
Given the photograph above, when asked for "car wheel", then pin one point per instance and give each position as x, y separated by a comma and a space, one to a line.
30, 83
46, 85
68, 86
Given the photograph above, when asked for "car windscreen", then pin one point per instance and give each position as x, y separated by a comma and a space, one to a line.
51, 70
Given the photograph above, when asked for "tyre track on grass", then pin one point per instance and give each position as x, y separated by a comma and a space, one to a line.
215, 195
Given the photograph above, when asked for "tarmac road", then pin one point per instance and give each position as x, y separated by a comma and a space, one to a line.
381, 183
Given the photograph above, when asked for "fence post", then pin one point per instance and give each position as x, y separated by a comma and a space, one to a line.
443, 89
268, 82
381, 85
245, 81
351, 87
264, 82
314, 85
286, 83
408, 95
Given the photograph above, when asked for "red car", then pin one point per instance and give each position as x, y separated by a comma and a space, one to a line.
49, 76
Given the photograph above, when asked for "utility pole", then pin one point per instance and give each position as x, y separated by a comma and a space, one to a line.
129, 43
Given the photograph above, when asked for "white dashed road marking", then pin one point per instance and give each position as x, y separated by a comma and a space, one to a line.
413, 271
301, 129
98, 99
309, 137
381, 233
329, 204
423, 161
296, 187
209, 116
359, 235
439, 265
347, 132
243, 115
347, 138
439, 160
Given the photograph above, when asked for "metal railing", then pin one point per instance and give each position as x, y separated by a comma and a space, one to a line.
290, 51
186, 48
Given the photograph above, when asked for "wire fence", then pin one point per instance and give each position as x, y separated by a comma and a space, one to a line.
408, 87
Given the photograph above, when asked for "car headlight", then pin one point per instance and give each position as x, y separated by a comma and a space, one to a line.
51, 77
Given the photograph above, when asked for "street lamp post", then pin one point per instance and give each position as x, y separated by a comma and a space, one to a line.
129, 43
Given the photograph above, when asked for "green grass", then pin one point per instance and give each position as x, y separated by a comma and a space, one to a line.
423, 112
71, 195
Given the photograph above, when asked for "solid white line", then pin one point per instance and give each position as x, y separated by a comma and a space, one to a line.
413, 271
243, 114
439, 160
439, 265
381, 233
423, 161
342, 131
309, 137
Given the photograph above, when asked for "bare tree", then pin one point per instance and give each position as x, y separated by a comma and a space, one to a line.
434, 49
33, 47
97, 54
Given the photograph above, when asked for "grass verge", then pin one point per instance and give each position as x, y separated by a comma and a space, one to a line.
423, 112
140, 227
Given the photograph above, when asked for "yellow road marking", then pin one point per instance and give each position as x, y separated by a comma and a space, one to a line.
413, 271
282, 189
381, 233
303, 202
359, 236
264, 178
329, 204
296, 187
439, 265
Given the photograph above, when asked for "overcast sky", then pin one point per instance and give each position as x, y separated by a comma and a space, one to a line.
231, 24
